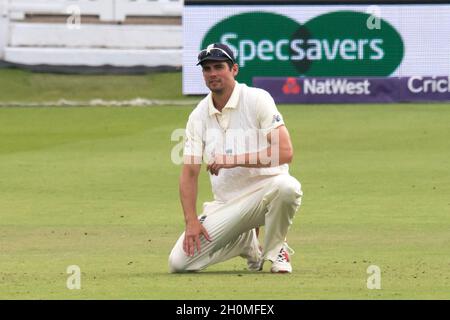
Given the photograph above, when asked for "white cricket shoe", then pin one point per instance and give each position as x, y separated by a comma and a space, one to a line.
283, 262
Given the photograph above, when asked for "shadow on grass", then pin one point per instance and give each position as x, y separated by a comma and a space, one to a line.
221, 272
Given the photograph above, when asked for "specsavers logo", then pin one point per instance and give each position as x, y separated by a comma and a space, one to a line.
334, 44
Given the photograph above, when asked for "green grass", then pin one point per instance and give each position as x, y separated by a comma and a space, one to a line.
18, 85
95, 187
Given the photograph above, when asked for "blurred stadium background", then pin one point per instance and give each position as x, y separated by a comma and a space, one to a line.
86, 176
144, 33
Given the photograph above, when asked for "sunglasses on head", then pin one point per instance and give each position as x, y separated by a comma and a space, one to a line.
213, 52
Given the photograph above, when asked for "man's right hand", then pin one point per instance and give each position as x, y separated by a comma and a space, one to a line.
194, 230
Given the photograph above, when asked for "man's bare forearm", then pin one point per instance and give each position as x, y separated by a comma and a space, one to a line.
188, 196
279, 152
263, 159
266, 158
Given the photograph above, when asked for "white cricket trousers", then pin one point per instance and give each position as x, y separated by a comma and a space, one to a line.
272, 202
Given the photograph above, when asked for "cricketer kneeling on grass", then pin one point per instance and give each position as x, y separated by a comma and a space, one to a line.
241, 135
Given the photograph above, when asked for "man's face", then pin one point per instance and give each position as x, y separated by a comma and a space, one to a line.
218, 76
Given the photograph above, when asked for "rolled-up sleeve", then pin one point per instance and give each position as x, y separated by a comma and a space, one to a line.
269, 117
193, 144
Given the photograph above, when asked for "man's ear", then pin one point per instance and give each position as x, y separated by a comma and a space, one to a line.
235, 69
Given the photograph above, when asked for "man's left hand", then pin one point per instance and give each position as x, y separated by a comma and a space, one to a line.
220, 161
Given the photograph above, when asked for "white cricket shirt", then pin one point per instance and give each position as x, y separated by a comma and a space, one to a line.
240, 128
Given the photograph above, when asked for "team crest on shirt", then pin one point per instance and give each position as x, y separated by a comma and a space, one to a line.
276, 118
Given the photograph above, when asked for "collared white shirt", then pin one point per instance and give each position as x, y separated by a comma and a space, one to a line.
223, 117
249, 115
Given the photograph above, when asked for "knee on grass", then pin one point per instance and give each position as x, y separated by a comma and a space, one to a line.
178, 264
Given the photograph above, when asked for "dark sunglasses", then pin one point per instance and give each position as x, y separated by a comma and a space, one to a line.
213, 52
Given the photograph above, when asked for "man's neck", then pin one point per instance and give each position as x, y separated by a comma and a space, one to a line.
221, 99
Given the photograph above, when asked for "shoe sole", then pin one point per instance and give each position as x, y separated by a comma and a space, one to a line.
280, 271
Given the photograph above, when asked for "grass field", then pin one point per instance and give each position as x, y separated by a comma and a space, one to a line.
95, 187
